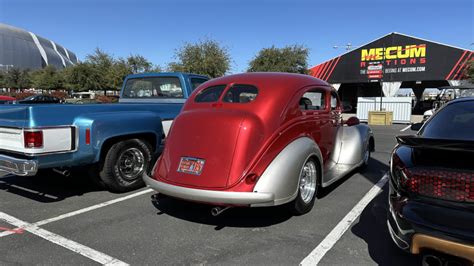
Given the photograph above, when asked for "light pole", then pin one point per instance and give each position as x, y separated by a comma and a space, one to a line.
348, 46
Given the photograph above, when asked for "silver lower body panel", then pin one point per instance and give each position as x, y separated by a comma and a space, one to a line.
210, 196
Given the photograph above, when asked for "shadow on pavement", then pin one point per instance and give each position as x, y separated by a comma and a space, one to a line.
373, 173
372, 228
235, 217
47, 186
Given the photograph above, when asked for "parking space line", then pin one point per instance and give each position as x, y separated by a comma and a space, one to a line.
406, 128
94, 207
62, 241
337, 232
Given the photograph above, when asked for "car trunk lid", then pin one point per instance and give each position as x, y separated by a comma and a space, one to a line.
221, 139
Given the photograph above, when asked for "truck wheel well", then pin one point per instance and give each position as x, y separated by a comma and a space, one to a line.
371, 144
150, 138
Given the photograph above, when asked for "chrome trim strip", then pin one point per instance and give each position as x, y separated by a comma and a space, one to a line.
209, 196
398, 241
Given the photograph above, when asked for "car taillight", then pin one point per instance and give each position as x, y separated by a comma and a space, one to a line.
33, 139
448, 184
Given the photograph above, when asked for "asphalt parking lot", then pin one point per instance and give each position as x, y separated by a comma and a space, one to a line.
69, 221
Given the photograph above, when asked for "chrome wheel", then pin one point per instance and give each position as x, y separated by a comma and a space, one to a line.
308, 181
131, 163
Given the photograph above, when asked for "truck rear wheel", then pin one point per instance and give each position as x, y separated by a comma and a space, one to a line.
124, 165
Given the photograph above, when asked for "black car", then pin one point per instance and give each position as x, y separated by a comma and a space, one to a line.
41, 98
432, 185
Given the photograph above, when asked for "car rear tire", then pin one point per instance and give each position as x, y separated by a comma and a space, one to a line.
307, 188
124, 165
365, 159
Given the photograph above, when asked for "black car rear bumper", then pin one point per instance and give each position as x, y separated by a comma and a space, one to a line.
415, 226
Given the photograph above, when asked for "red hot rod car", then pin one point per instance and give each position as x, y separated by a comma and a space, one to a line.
259, 139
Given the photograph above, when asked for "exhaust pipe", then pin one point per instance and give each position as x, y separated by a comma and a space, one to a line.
218, 210
431, 260
64, 172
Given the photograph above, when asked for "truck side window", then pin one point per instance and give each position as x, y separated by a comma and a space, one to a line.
196, 82
312, 100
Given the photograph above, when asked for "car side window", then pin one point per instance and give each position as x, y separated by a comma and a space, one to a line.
312, 100
333, 101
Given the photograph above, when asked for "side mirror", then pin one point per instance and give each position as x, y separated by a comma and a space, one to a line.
416, 126
352, 121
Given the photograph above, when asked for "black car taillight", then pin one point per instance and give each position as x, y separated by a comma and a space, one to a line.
438, 183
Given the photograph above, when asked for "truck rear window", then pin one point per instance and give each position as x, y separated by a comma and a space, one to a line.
241, 94
153, 87
210, 94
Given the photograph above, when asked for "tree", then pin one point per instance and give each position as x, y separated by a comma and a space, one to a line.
206, 57
48, 78
139, 64
17, 79
119, 71
2, 79
102, 63
83, 77
292, 59
470, 71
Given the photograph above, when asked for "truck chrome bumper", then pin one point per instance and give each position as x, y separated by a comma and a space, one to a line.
21, 167
209, 196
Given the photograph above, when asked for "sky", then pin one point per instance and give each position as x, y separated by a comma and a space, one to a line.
155, 29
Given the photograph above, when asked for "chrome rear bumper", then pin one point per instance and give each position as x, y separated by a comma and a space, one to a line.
209, 196
21, 167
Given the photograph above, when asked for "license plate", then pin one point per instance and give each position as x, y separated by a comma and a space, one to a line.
191, 165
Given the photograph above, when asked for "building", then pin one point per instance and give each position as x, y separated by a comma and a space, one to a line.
25, 50
391, 62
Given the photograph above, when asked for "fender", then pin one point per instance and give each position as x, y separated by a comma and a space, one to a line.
282, 175
351, 144
104, 126
354, 143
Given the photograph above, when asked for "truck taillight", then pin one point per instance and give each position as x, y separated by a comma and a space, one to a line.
33, 139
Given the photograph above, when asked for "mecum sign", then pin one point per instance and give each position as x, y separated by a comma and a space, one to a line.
396, 57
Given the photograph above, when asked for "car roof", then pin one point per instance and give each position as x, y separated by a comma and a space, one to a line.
276, 91
285, 83
8, 98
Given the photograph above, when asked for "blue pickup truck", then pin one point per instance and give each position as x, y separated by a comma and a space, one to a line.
114, 142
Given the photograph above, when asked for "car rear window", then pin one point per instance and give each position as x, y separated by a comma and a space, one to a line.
241, 94
454, 122
210, 94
